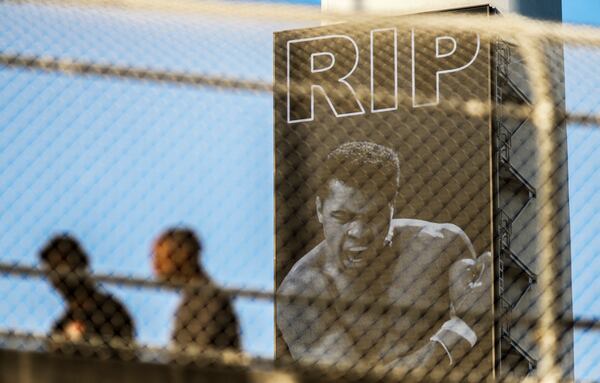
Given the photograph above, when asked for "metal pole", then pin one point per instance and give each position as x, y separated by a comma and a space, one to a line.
544, 119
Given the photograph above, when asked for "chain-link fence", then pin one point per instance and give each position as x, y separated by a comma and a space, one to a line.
435, 186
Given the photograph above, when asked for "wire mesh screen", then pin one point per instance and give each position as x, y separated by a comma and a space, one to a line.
354, 197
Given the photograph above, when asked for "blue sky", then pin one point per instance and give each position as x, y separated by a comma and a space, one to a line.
583, 82
117, 161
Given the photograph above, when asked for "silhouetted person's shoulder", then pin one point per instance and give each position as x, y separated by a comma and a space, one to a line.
118, 320
205, 319
95, 320
100, 316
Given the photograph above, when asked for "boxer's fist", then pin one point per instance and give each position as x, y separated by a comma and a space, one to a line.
471, 287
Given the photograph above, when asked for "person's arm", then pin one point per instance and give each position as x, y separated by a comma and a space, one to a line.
67, 328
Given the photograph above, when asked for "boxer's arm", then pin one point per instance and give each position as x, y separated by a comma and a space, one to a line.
469, 284
306, 320
433, 355
470, 295
470, 288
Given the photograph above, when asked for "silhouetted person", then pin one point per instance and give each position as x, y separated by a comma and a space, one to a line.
91, 315
205, 318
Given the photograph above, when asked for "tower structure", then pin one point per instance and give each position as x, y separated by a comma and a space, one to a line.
516, 207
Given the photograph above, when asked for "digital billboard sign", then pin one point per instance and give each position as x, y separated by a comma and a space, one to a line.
383, 188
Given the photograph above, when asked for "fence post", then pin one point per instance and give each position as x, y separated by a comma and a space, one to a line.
544, 120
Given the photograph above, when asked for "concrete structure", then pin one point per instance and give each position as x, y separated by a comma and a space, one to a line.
33, 367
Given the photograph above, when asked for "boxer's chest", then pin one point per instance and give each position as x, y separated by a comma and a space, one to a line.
397, 306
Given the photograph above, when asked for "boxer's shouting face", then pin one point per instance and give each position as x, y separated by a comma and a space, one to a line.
355, 224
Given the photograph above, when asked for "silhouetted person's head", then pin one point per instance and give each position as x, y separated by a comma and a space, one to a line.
66, 265
176, 255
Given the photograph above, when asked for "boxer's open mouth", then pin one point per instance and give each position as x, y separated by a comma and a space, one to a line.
355, 256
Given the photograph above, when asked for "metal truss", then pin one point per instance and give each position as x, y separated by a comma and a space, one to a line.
514, 194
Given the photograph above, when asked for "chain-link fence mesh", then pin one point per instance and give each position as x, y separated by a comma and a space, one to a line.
435, 186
